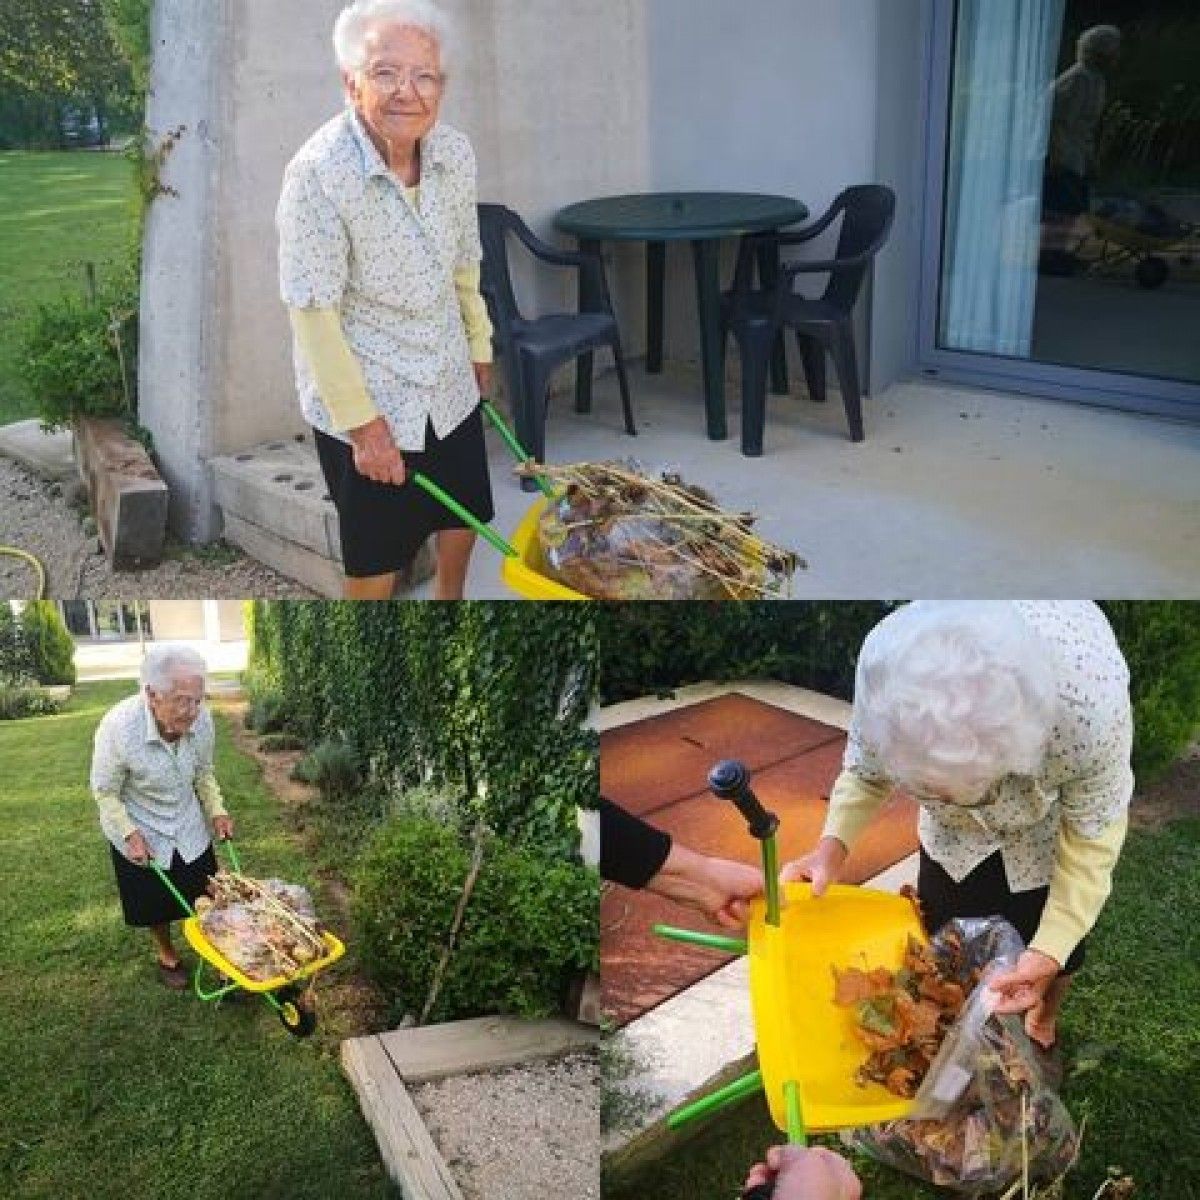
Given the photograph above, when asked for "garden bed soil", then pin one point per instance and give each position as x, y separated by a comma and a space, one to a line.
1174, 797
526, 1133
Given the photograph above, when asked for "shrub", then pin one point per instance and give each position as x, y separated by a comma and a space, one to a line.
277, 743
80, 359
269, 712
335, 767
530, 926
16, 663
51, 648
1161, 643
17, 702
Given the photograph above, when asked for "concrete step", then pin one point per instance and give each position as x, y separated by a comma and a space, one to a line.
275, 507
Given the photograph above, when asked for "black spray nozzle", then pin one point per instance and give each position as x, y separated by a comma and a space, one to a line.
730, 780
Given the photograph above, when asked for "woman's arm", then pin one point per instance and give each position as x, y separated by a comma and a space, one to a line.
474, 313
337, 372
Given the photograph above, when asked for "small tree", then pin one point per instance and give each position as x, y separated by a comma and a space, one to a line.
15, 664
51, 648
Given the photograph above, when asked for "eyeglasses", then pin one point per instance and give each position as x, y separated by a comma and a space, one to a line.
391, 80
181, 701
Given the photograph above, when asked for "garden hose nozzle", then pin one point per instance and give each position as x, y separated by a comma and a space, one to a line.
730, 780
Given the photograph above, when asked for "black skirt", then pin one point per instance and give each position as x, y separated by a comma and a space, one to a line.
984, 893
146, 900
383, 526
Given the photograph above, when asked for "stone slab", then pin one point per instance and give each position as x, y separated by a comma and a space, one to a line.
49, 455
321, 574
128, 496
409, 1154
481, 1044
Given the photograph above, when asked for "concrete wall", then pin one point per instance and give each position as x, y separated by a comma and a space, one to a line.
554, 99
774, 96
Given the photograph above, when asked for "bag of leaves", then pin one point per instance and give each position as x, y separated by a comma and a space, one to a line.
984, 1112
265, 927
616, 532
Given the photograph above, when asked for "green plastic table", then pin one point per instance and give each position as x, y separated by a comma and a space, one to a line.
703, 219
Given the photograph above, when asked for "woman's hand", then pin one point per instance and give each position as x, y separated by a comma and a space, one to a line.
806, 1174
223, 828
719, 888
376, 455
483, 378
136, 849
1024, 986
821, 866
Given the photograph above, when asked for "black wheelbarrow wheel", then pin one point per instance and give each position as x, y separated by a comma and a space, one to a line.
1152, 272
296, 1013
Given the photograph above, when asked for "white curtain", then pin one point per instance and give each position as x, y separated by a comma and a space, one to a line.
1005, 57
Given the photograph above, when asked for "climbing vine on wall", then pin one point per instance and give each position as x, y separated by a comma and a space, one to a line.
485, 698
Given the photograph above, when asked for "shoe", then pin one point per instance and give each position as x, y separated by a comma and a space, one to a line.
175, 978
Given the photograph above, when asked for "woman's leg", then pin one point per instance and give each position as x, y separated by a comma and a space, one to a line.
163, 946
370, 587
454, 548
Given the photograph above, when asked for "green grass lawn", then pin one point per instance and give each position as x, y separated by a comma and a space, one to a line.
112, 1085
58, 211
1131, 1030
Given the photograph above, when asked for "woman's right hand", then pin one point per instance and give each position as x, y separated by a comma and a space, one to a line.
821, 866
376, 455
136, 849
806, 1174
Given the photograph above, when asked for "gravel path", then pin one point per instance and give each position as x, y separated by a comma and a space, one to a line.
37, 517
523, 1134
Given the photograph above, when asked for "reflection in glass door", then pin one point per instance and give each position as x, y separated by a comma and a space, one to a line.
1071, 224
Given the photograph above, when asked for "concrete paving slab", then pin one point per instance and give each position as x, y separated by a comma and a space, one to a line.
50, 455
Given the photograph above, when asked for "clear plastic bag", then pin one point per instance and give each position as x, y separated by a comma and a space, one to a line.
983, 1087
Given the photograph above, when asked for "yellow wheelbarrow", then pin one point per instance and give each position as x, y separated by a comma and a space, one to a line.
808, 1053
284, 993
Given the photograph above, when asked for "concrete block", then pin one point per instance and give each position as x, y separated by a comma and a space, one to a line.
274, 506
128, 496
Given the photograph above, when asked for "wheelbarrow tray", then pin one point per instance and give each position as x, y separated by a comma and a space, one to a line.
529, 574
194, 934
802, 1035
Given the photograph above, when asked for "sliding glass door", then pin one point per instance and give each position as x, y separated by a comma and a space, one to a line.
1063, 228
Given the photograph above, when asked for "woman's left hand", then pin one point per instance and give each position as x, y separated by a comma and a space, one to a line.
223, 828
483, 378
1023, 987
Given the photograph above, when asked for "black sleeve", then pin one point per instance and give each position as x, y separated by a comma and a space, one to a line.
631, 852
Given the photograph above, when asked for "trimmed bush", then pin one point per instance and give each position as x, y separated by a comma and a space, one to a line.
334, 767
531, 924
16, 663
18, 702
51, 648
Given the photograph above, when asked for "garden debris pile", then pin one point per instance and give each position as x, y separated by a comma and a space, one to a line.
984, 1114
264, 927
902, 1016
619, 533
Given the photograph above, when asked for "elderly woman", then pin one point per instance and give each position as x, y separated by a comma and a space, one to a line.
379, 257
153, 780
1010, 724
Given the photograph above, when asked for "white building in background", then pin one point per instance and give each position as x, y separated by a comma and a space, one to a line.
210, 621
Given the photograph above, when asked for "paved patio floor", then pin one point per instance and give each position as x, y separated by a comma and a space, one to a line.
955, 492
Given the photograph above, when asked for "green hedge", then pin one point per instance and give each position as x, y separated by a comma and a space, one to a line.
530, 926
651, 648
485, 698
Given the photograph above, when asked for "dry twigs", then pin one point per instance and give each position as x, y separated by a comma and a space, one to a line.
617, 533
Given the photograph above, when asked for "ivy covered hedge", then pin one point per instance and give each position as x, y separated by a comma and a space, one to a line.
650, 648
485, 698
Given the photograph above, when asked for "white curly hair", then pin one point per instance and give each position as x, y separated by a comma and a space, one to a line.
164, 662
356, 20
1098, 41
954, 695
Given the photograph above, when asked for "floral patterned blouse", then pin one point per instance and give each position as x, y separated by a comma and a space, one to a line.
1085, 778
351, 239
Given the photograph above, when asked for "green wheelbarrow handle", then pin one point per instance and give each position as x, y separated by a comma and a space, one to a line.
166, 879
